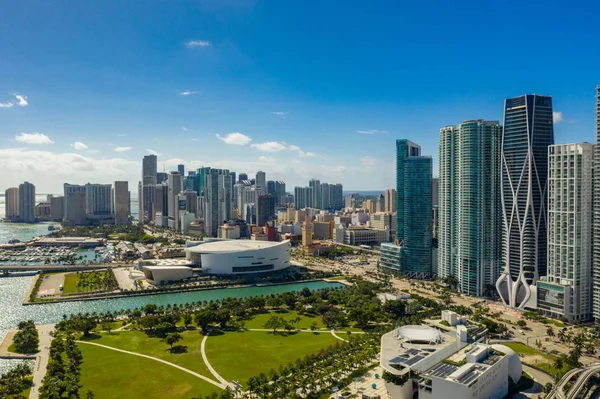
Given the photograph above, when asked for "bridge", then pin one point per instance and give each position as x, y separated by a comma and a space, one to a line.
7, 269
585, 373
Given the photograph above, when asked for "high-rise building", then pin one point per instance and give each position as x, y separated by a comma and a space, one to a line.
596, 231
121, 202
161, 200
68, 190
470, 207
11, 198
27, 202
161, 177
414, 219
261, 180
528, 131
316, 193
150, 177
217, 198
149, 170
434, 191
246, 195
303, 197
265, 209
566, 290
243, 176
271, 189
174, 188
336, 197
57, 206
390, 200
181, 170
191, 201
98, 201
325, 196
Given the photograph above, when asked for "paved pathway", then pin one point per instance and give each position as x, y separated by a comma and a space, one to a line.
205, 358
41, 362
222, 386
337, 336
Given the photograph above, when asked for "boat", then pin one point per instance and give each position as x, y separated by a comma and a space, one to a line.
51, 227
14, 241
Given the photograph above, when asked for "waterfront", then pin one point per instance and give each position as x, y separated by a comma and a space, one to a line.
13, 290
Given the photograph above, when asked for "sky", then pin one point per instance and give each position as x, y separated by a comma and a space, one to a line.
298, 89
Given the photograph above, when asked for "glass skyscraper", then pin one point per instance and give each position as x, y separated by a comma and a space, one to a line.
414, 224
596, 202
528, 131
470, 211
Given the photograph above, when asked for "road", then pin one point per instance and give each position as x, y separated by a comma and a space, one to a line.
584, 374
41, 362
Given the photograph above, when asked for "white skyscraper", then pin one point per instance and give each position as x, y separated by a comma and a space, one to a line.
11, 198
566, 290
174, 188
98, 201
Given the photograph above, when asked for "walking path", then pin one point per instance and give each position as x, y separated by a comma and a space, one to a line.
337, 336
205, 358
8, 340
220, 385
41, 362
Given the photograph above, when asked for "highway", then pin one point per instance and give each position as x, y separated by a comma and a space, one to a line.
585, 374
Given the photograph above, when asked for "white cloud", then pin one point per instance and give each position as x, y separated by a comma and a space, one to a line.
557, 117
197, 43
194, 139
270, 146
33, 138
184, 128
188, 92
279, 113
267, 160
78, 145
153, 152
368, 161
122, 135
374, 131
21, 101
122, 149
306, 154
235, 138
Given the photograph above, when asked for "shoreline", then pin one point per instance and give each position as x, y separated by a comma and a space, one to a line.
98, 297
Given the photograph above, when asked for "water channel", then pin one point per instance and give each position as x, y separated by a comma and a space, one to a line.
14, 289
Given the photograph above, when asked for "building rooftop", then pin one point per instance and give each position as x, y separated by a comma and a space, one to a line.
232, 246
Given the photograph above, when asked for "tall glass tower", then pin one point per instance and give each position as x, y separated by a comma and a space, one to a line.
414, 209
596, 204
470, 210
528, 131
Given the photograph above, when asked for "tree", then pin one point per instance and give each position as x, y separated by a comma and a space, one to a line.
172, 338
187, 320
313, 326
274, 322
89, 394
550, 331
548, 387
521, 323
26, 340
203, 319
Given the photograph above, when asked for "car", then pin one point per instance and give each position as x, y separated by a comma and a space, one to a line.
521, 332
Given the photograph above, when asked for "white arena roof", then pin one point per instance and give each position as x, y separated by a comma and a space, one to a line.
233, 246
419, 334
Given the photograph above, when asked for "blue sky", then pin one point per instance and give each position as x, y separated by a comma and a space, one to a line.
312, 89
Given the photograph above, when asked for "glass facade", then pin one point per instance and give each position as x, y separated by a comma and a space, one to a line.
596, 217
390, 256
528, 131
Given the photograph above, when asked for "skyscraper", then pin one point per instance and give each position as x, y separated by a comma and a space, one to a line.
325, 196
470, 207
121, 202
174, 188
414, 223
11, 198
303, 197
98, 201
261, 180
316, 193
27, 202
181, 170
243, 176
265, 209
390, 200
149, 178
528, 131
566, 290
596, 231
149, 166
336, 196
217, 198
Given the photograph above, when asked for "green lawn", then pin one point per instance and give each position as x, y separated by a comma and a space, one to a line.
70, 283
111, 374
72, 279
338, 278
259, 320
137, 341
547, 365
526, 350
241, 355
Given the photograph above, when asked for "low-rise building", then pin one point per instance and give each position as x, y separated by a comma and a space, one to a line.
364, 236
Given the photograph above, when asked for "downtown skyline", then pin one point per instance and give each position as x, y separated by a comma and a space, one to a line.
191, 83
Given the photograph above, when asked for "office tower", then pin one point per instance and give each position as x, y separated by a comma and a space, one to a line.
68, 190
181, 170
11, 198
414, 219
380, 203
390, 200
336, 196
434, 191
271, 189
325, 196
173, 190
191, 201
528, 131
596, 241
57, 206
217, 198
316, 189
161, 177
149, 197
98, 201
261, 180
303, 197
27, 202
149, 170
246, 195
280, 193
242, 177
566, 290
121, 202
470, 207
265, 209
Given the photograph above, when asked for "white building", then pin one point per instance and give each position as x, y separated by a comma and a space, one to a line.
239, 256
566, 290
99, 201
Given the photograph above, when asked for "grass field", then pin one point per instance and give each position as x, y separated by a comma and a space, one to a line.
259, 320
546, 364
92, 281
241, 355
111, 374
137, 341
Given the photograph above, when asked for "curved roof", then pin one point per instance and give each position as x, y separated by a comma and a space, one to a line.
419, 334
216, 246
515, 369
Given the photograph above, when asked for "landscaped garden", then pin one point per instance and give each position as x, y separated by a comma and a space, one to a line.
93, 281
